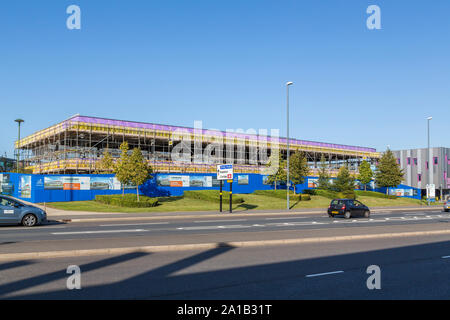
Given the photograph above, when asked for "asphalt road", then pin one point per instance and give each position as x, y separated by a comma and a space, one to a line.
222, 224
411, 268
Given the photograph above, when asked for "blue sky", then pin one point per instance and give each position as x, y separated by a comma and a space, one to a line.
226, 63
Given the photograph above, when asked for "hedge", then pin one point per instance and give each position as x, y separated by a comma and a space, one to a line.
304, 197
212, 196
128, 200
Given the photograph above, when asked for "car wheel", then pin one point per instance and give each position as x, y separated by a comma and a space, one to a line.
347, 215
366, 214
29, 220
330, 215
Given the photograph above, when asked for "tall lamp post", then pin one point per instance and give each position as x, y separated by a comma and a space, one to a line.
288, 84
19, 121
429, 162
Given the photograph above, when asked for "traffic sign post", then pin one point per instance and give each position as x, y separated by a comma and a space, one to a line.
231, 195
225, 172
221, 183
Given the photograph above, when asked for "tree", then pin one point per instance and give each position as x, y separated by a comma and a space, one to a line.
324, 176
298, 168
344, 181
140, 170
388, 173
106, 163
365, 174
122, 168
280, 173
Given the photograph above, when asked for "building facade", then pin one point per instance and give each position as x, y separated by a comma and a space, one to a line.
422, 167
75, 146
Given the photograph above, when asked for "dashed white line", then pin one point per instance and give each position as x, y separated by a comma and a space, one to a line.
287, 218
96, 232
214, 221
133, 224
323, 274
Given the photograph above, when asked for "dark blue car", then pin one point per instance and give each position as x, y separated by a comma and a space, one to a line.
13, 211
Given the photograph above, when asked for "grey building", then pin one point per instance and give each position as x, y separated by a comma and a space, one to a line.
422, 167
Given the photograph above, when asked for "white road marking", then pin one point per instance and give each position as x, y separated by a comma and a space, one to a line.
214, 221
323, 274
32, 229
213, 227
287, 218
95, 232
132, 224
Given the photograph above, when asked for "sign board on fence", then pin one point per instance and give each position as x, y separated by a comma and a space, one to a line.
225, 172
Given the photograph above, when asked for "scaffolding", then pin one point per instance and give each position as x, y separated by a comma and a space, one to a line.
75, 146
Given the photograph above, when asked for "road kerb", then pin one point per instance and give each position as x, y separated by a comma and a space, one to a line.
212, 245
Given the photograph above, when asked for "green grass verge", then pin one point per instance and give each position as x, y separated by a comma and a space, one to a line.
212, 196
280, 194
251, 201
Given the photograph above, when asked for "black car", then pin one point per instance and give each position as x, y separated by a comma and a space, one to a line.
348, 207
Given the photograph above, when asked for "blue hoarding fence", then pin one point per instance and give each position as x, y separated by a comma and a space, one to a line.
59, 188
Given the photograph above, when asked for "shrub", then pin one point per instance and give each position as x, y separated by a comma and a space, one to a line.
350, 194
212, 195
304, 197
128, 200
311, 192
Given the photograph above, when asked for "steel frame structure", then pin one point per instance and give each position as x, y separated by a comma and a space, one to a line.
75, 146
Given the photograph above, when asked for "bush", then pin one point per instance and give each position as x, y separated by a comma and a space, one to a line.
350, 194
128, 200
304, 197
213, 196
311, 192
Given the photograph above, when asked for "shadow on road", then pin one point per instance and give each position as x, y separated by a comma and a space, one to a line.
415, 271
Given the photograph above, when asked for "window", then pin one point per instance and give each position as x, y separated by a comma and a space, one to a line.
435, 160
398, 161
357, 203
419, 177
409, 161
428, 166
415, 161
6, 202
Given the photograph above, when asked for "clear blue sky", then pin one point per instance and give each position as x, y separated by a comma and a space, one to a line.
226, 62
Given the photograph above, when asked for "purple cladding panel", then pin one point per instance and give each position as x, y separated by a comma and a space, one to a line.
142, 125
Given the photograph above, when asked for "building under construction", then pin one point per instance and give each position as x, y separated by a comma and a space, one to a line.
75, 146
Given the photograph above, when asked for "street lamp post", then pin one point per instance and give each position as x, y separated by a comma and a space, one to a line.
429, 162
287, 135
19, 121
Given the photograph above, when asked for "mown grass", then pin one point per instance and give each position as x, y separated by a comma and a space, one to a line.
251, 201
